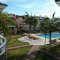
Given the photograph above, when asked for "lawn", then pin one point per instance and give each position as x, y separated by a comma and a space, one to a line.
18, 54
12, 41
55, 50
41, 56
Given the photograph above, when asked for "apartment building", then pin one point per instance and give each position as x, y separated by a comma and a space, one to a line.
21, 25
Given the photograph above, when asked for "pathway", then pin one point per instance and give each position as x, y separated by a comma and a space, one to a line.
17, 47
32, 53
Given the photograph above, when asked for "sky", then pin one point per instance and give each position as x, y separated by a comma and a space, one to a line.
34, 7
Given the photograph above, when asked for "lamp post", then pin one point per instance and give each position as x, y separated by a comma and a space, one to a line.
57, 2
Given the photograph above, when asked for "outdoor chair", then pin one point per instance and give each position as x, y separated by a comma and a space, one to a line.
53, 41
58, 38
32, 37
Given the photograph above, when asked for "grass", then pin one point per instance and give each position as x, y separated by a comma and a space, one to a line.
18, 54
13, 41
52, 49
55, 50
41, 56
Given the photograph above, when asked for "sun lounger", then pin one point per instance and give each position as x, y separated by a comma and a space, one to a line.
32, 37
53, 41
58, 38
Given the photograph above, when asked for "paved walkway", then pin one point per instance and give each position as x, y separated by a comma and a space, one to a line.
32, 53
39, 41
17, 47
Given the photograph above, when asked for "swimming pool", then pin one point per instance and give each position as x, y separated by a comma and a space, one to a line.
53, 35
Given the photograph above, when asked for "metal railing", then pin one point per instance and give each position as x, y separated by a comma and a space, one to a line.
2, 45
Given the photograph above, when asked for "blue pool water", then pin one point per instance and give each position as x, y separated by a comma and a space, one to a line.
53, 35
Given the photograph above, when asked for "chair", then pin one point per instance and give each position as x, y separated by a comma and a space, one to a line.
58, 38
53, 41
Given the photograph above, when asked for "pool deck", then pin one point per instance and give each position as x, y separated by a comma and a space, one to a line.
40, 41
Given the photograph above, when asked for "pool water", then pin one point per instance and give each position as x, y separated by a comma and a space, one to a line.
53, 35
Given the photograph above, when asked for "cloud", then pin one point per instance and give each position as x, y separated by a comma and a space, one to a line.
19, 3
4, 1
27, 5
37, 7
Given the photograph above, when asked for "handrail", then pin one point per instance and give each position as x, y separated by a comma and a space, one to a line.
3, 44
4, 41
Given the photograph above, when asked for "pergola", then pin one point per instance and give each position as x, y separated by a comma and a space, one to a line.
57, 2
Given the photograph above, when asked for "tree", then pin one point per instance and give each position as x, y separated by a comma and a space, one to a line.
35, 22
43, 27
5, 21
48, 26
29, 20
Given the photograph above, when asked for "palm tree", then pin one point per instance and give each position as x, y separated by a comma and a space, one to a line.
57, 24
35, 22
51, 28
29, 20
43, 27
48, 26
5, 20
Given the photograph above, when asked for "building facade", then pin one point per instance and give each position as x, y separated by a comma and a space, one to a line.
22, 26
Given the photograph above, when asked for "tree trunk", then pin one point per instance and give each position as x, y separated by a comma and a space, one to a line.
30, 28
50, 38
45, 40
34, 29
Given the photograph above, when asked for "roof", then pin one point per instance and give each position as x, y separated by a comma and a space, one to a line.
57, 0
3, 4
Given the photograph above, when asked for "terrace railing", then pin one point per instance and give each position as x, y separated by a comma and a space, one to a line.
2, 45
